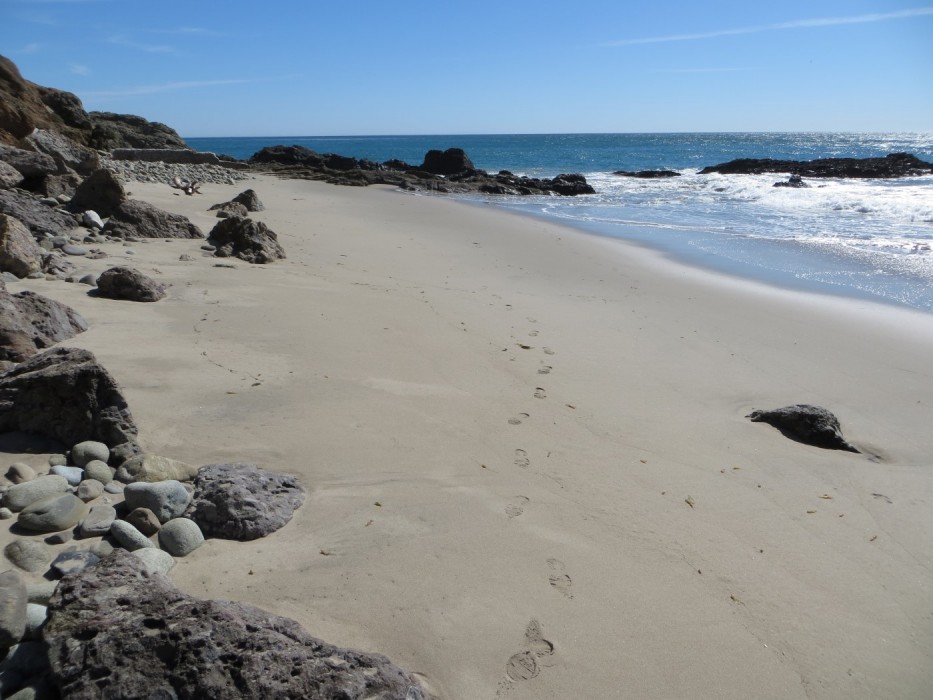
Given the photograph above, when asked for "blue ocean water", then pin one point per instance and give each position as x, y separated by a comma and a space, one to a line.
867, 238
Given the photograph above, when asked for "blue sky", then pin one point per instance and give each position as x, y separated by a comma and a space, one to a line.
278, 68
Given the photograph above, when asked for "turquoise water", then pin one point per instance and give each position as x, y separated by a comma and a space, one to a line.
866, 238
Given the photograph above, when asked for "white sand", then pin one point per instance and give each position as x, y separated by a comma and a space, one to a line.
383, 364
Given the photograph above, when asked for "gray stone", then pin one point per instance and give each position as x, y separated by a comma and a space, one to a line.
129, 537
105, 620
19, 473
129, 284
28, 555
57, 459
36, 616
27, 162
180, 537
19, 252
5, 513
30, 322
155, 560
167, 499
250, 200
101, 192
84, 452
60, 537
99, 471
152, 467
69, 249
53, 513
40, 592
114, 487
102, 548
92, 219
37, 217
67, 154
143, 520
73, 562
124, 451
143, 220
21, 495
243, 502
89, 489
98, 521
13, 601
10, 177
89, 279
811, 425
73, 475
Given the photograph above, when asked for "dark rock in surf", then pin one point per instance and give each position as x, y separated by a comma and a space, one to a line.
811, 425
891, 166
449, 162
647, 174
794, 181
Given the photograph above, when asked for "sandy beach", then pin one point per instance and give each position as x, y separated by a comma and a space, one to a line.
528, 466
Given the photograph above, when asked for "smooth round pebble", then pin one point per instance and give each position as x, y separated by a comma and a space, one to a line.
89, 279
114, 487
156, 560
129, 537
84, 452
20, 472
97, 523
55, 460
53, 513
71, 249
89, 489
99, 470
5, 513
73, 475
180, 537
19, 496
28, 555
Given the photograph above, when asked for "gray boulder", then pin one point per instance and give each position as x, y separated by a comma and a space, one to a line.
9, 176
195, 648
245, 239
167, 499
88, 450
19, 252
180, 537
73, 562
134, 218
128, 536
73, 475
53, 513
37, 217
102, 192
67, 154
98, 521
30, 322
71, 385
99, 471
28, 163
155, 560
811, 425
243, 502
128, 284
28, 554
152, 467
13, 602
21, 495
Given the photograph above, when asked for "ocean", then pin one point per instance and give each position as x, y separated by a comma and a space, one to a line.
871, 239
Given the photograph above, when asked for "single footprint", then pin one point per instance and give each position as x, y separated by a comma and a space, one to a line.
533, 334
517, 420
548, 351
540, 393
521, 459
558, 579
513, 510
545, 370
528, 663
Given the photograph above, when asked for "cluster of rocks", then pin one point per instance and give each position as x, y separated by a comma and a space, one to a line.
237, 235
160, 171
893, 165
449, 171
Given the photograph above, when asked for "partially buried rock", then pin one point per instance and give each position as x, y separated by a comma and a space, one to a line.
250, 200
153, 467
246, 239
53, 513
20, 472
69, 384
243, 502
128, 284
134, 218
21, 495
106, 619
811, 425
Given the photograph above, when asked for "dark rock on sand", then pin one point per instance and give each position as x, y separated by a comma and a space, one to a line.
66, 395
246, 239
449, 162
118, 630
647, 174
228, 209
112, 131
811, 425
19, 252
242, 502
102, 192
128, 284
30, 322
892, 165
38, 217
250, 200
143, 220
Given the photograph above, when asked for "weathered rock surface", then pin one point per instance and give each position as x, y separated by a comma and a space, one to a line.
143, 220
243, 502
69, 384
69, 563
13, 602
53, 513
112, 131
30, 164
30, 322
153, 467
129, 284
19, 253
37, 217
246, 239
88, 450
449, 162
104, 620
28, 554
182, 155
22, 108
143, 520
647, 174
9, 176
67, 154
227, 209
892, 165
166, 499
155, 560
101, 192
21, 495
98, 521
811, 425
250, 200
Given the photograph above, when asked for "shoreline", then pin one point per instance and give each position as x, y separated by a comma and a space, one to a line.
498, 421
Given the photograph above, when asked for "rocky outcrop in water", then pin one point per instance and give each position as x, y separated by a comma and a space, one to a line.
647, 174
891, 166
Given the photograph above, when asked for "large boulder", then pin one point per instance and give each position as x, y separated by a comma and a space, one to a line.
30, 322
9, 176
128, 284
449, 162
53, 513
13, 602
166, 499
66, 395
102, 192
67, 106
242, 502
119, 630
23, 109
246, 239
811, 425
112, 131
250, 200
141, 219
38, 217
67, 154
28, 163
19, 252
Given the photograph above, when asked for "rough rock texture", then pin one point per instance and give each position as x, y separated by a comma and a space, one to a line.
129, 284
449, 162
27, 163
38, 217
227, 209
183, 156
136, 218
102, 192
13, 602
892, 165
104, 620
19, 252
250, 200
67, 154
812, 425
246, 239
242, 502
30, 322
69, 384
647, 174
153, 467
130, 131
9, 176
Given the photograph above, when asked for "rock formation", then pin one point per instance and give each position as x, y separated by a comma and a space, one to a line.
811, 425
128, 284
246, 239
30, 323
892, 165
134, 218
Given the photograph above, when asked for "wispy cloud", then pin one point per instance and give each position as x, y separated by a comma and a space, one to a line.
780, 26
79, 69
163, 87
188, 31
123, 40
30, 48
